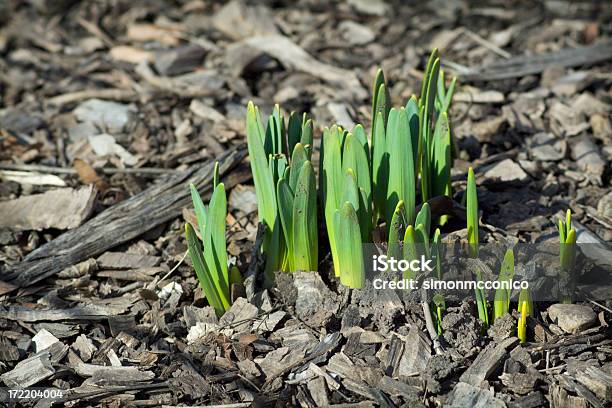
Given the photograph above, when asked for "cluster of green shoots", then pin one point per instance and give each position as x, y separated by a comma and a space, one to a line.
286, 190
364, 183
501, 303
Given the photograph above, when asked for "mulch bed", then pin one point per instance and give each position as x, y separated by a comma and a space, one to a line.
110, 109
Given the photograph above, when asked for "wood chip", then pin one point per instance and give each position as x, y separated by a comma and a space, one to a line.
43, 340
124, 260
29, 372
596, 380
466, 395
84, 347
63, 208
292, 56
487, 362
24, 314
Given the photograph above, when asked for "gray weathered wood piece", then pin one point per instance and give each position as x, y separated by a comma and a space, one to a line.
125, 221
487, 362
24, 314
29, 372
523, 65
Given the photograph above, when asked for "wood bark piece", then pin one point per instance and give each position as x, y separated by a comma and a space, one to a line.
487, 362
318, 391
465, 395
107, 375
417, 352
62, 208
123, 260
8, 353
534, 64
293, 57
125, 221
598, 381
24, 314
29, 372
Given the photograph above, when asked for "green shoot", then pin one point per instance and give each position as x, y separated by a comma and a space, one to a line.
501, 305
567, 250
402, 179
472, 232
350, 267
440, 307
525, 307
210, 260
381, 105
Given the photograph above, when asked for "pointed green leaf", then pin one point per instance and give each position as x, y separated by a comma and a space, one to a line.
294, 130
402, 181
525, 301
449, 95
472, 214
299, 157
215, 253
360, 134
355, 157
409, 251
264, 183
412, 111
380, 168
285, 207
217, 299
442, 163
424, 217
216, 175
350, 265
198, 206
396, 231
305, 243
306, 137
436, 252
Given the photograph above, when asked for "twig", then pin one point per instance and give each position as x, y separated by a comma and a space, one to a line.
235, 405
173, 269
600, 305
487, 44
93, 29
113, 94
431, 329
129, 288
545, 370
153, 171
523, 65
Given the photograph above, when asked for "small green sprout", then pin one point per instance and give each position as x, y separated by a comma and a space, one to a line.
501, 304
525, 307
567, 250
472, 232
